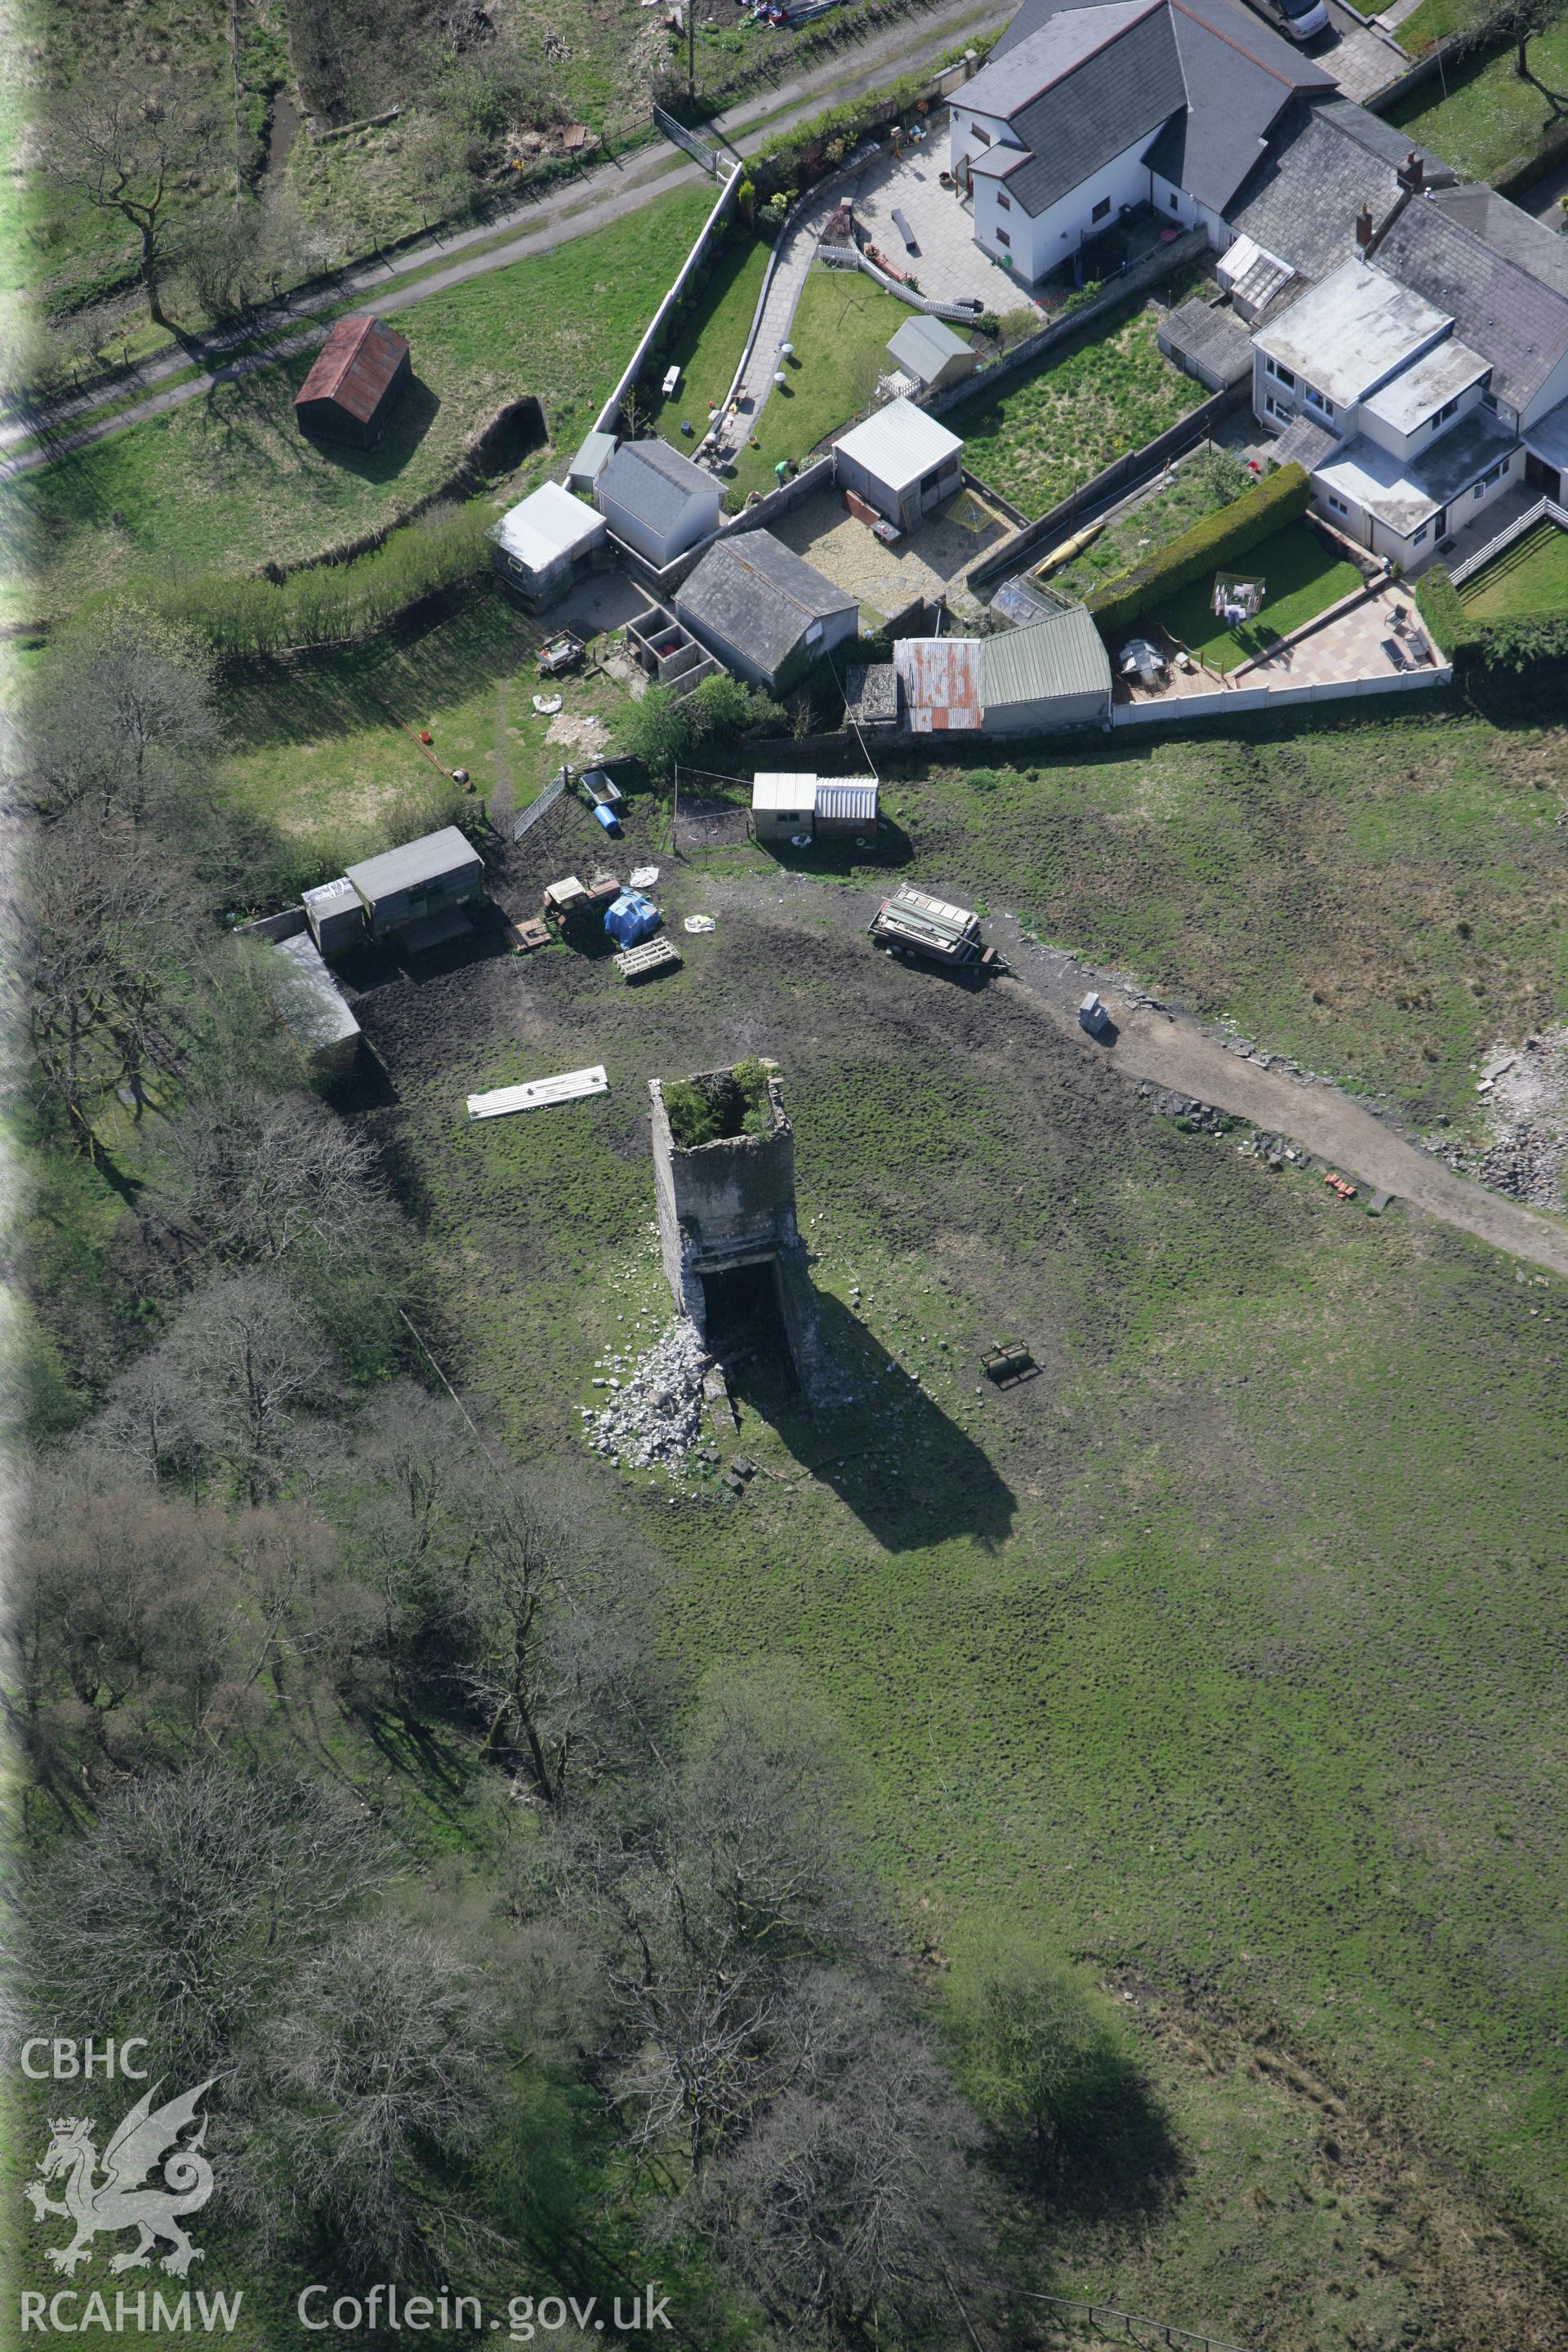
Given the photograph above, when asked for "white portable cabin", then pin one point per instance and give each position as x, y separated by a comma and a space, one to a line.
544, 541
783, 806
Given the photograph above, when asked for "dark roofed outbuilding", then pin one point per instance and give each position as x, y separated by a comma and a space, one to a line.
350, 392
764, 610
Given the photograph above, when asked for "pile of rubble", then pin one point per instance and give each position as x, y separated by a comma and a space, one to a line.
1525, 1093
654, 1413
1197, 1118
1528, 1163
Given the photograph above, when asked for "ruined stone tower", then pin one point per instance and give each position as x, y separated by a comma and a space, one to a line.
726, 1207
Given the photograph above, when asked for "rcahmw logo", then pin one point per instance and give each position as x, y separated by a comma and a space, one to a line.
152, 2175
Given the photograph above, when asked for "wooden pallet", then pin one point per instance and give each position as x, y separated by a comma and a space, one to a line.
652, 955
525, 937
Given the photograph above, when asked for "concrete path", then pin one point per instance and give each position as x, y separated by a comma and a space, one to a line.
786, 287
604, 195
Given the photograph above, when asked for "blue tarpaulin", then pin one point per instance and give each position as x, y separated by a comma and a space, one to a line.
632, 917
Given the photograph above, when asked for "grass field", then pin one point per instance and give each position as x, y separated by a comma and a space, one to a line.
1531, 576
1156, 519
1199, 1653
1039, 440
226, 481
1480, 115
1300, 578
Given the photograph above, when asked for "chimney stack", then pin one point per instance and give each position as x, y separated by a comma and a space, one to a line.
1363, 228
1412, 173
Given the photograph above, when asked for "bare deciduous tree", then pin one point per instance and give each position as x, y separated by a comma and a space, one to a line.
190, 1901
255, 1363
106, 915
124, 139
260, 1177
127, 711
849, 2206
387, 2063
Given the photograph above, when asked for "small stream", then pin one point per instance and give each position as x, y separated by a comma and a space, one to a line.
284, 130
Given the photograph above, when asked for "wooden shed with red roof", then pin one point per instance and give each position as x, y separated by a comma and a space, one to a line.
350, 392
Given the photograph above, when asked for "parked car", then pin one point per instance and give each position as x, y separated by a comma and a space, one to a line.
1299, 20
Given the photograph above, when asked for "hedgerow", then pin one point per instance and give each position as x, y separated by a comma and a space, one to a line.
1260, 512
334, 603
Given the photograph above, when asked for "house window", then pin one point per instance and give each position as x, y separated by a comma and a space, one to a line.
1281, 374
1443, 416
1175, 201
1277, 409
1418, 536
1325, 407
1337, 506
976, 132
1003, 238
1004, 204
1102, 208
1488, 399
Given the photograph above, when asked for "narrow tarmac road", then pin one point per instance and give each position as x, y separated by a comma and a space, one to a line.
604, 195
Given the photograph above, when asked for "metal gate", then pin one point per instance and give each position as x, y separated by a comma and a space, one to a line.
536, 809
701, 150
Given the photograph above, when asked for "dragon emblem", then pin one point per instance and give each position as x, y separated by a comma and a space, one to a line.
118, 2201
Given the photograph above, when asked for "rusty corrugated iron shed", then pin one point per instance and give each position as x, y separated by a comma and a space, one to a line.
940, 683
355, 367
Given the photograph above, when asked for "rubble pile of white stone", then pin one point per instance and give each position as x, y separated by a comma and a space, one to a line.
655, 1411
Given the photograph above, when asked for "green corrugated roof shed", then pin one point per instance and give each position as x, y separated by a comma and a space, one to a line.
1059, 656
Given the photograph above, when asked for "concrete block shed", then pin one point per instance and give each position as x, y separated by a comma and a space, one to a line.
901, 461
354, 383
431, 876
544, 542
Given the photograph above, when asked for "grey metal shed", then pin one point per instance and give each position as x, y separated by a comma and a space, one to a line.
423, 878
1054, 674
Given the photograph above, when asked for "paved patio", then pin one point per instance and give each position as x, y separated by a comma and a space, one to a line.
885, 581
1346, 648
948, 264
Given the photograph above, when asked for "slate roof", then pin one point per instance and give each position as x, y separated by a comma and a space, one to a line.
1206, 76
757, 596
1305, 443
1549, 438
654, 482
1064, 655
354, 367
1324, 163
1516, 235
1497, 307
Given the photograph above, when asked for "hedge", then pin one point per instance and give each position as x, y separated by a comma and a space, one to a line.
1516, 644
334, 603
1206, 547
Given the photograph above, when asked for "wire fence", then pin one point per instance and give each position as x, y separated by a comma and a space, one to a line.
1134, 2328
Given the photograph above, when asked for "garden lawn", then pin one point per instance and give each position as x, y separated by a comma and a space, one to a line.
1300, 578
707, 349
1480, 115
1043, 437
1530, 577
227, 481
840, 332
